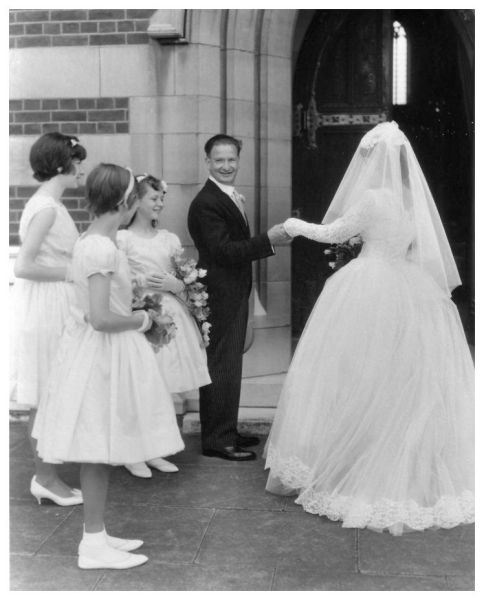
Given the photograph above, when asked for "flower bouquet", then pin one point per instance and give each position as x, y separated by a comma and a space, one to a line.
163, 328
195, 294
341, 254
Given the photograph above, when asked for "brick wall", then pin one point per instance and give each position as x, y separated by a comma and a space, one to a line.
74, 116
73, 201
42, 28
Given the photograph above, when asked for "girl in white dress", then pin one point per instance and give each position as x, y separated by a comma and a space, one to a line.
150, 251
374, 426
43, 291
106, 403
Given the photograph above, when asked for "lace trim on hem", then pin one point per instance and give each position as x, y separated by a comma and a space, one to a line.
291, 471
447, 512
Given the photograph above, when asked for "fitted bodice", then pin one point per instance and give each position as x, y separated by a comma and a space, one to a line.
387, 234
98, 254
149, 255
57, 245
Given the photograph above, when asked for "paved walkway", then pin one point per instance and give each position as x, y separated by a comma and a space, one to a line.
212, 526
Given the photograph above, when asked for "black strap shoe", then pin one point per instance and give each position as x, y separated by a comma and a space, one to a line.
244, 441
231, 453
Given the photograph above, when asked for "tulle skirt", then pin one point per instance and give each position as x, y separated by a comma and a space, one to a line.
183, 362
106, 401
375, 424
39, 312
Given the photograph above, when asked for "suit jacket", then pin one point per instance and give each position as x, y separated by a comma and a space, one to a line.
226, 250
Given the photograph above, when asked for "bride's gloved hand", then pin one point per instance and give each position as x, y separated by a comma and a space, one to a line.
164, 282
292, 226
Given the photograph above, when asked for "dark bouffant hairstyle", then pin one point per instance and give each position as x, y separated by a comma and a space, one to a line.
106, 185
222, 138
53, 153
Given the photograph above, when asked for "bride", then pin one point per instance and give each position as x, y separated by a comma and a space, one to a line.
375, 426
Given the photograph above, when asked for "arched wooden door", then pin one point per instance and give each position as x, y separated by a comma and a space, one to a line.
342, 88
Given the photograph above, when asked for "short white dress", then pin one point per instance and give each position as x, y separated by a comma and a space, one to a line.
40, 308
183, 362
106, 401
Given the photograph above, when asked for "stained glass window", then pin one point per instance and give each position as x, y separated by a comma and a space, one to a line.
400, 70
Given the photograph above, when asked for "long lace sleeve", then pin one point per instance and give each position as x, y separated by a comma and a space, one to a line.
341, 230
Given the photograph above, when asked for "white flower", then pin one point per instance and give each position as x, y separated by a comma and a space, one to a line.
388, 131
206, 327
332, 264
202, 272
190, 278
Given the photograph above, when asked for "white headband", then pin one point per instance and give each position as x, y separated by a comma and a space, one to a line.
129, 189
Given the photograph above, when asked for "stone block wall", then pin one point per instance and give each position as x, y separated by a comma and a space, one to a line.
44, 28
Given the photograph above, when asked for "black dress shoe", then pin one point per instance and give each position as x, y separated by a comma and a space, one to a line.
231, 453
244, 441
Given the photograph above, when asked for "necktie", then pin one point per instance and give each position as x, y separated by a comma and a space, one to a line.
238, 199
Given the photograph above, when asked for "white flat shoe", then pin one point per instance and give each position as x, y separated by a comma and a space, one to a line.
104, 556
139, 470
41, 493
123, 544
165, 466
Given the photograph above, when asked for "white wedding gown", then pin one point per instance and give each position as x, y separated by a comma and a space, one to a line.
375, 423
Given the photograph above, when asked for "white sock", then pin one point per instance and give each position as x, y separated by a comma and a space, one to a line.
94, 539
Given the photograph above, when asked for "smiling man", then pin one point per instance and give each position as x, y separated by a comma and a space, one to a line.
218, 225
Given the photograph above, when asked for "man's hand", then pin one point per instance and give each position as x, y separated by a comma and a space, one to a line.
278, 235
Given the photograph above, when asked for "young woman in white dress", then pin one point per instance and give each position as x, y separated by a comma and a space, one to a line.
43, 291
374, 425
150, 252
106, 402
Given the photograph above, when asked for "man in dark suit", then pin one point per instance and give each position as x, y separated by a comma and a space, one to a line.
219, 228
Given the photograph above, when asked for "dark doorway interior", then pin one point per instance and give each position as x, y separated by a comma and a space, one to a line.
342, 87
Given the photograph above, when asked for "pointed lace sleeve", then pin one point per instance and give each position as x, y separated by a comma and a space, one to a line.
341, 230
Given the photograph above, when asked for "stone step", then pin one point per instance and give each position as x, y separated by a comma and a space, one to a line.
251, 420
258, 392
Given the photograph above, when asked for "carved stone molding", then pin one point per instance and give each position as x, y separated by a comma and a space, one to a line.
168, 26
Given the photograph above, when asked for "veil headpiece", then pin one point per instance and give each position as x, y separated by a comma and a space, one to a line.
385, 164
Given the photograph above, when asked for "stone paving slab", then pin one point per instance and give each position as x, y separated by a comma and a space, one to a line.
438, 552
263, 538
152, 576
463, 583
31, 526
303, 579
202, 486
41, 573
